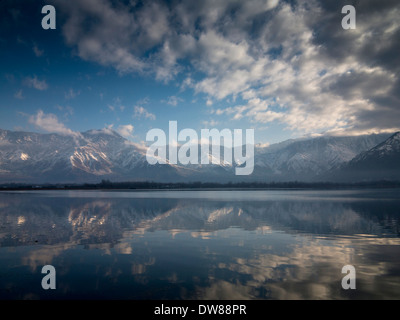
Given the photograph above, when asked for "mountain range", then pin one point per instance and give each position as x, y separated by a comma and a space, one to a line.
381, 162
95, 155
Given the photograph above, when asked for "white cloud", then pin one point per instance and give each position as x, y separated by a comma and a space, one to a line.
309, 91
257, 110
140, 112
143, 101
116, 105
49, 122
210, 123
263, 145
108, 129
173, 100
18, 95
36, 83
68, 110
126, 130
71, 94
37, 51
289, 63
108, 41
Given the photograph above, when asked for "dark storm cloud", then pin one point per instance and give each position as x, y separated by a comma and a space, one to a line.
375, 45
373, 48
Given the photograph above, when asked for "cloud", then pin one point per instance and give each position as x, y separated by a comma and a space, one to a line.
34, 82
263, 145
310, 89
257, 110
103, 33
49, 122
210, 123
143, 101
68, 110
18, 95
116, 104
126, 130
289, 61
71, 94
173, 100
37, 51
140, 112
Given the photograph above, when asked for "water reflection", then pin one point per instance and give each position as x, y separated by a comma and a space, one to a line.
199, 245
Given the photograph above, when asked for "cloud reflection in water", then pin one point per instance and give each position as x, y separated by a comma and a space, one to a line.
197, 247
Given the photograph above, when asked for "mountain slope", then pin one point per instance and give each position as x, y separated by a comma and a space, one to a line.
95, 155
90, 156
378, 163
309, 159
53, 158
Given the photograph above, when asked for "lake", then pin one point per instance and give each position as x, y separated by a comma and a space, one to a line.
253, 244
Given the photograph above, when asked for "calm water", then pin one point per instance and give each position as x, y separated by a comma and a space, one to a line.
200, 244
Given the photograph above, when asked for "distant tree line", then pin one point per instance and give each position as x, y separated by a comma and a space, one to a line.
149, 185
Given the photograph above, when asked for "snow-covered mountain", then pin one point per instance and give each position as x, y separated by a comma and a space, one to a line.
95, 155
90, 156
34, 157
308, 159
379, 162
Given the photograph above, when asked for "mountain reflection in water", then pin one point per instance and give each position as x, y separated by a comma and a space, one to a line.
200, 244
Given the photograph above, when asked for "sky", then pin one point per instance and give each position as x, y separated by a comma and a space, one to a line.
286, 69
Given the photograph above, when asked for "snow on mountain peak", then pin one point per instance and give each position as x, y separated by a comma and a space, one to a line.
104, 154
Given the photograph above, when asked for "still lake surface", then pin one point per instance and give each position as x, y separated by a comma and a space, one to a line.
263, 244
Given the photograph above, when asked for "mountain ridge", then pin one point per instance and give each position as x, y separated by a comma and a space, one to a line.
95, 155
379, 162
